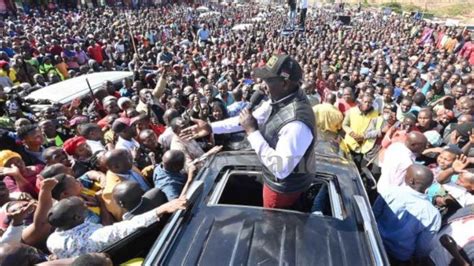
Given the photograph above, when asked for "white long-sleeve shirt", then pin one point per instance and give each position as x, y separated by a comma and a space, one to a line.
293, 140
303, 4
89, 237
12, 235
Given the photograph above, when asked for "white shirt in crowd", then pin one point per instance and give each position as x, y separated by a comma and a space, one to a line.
396, 161
165, 138
12, 235
90, 237
129, 145
95, 145
293, 140
303, 4
460, 194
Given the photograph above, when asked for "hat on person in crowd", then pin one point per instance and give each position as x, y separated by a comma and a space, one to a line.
71, 144
280, 66
3, 63
6, 155
120, 124
78, 120
122, 101
108, 99
434, 138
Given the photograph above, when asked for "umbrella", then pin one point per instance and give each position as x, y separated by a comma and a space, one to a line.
202, 9
244, 26
209, 14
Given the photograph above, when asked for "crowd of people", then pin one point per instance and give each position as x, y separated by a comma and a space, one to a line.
394, 92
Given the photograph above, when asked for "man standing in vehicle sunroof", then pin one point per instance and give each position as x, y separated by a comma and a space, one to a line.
279, 130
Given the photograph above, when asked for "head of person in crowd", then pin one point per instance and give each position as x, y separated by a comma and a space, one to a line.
219, 111
366, 105
31, 136
78, 148
148, 139
447, 157
93, 259
53, 155
416, 142
124, 128
124, 103
67, 186
48, 128
169, 115
10, 158
132, 198
110, 105
419, 177
178, 124
348, 95
173, 161
91, 131
461, 134
331, 98
425, 120
466, 180
67, 213
444, 116
55, 169
467, 107
406, 104
119, 161
20, 122
20, 254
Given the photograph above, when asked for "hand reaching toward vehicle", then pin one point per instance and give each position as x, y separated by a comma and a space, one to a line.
460, 163
177, 204
199, 130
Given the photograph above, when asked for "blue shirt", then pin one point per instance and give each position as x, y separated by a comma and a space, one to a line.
134, 176
171, 183
124, 92
203, 34
235, 108
228, 101
407, 222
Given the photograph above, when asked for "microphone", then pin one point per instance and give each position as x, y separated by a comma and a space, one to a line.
255, 99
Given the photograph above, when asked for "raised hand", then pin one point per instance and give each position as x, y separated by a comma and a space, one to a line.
199, 130
460, 163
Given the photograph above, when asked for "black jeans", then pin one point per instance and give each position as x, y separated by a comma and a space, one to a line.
303, 16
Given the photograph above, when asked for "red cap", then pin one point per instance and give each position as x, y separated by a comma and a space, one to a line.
71, 144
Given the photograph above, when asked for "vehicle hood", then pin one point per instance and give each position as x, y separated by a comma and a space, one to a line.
236, 235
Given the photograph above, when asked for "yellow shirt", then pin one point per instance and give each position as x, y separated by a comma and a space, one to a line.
111, 180
358, 123
328, 117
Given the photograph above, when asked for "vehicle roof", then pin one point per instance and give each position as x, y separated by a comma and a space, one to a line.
237, 235
67, 90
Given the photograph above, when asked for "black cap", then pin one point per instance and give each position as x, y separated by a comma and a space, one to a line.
280, 66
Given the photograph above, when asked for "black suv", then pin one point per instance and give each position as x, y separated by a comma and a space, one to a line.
227, 225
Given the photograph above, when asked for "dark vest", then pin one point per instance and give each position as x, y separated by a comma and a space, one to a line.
295, 107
